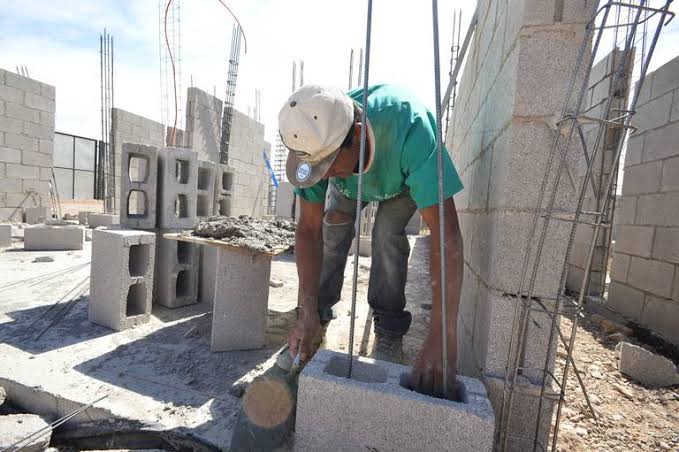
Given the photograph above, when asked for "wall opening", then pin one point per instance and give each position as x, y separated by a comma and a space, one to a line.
136, 204
136, 300
138, 168
183, 287
182, 171
204, 178
181, 206
184, 252
139, 259
227, 181
202, 206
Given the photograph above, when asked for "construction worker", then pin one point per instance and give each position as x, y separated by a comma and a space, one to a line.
321, 127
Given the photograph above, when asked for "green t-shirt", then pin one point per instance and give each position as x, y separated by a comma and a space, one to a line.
405, 157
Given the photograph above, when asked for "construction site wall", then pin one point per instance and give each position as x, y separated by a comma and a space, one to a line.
645, 267
26, 143
203, 123
512, 91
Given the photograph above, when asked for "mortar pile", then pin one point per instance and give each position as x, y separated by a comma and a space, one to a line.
257, 234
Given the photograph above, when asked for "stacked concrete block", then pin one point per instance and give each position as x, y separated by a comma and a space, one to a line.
53, 238
121, 282
177, 179
373, 411
83, 217
645, 266
130, 128
176, 273
224, 190
5, 235
26, 143
241, 296
512, 92
94, 220
205, 189
139, 186
203, 123
37, 214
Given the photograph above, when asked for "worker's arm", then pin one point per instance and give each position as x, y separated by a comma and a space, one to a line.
309, 254
427, 375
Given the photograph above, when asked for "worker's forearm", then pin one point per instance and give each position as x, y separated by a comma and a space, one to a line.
309, 254
454, 273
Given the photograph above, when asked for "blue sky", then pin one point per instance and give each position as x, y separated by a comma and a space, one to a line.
59, 43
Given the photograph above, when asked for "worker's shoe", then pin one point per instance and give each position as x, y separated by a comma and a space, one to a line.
388, 347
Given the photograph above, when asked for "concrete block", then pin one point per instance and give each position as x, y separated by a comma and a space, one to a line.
121, 281
223, 204
53, 238
35, 215
16, 427
626, 300
651, 276
666, 245
619, 266
625, 211
661, 143
39, 102
177, 179
205, 194
659, 209
654, 114
18, 111
670, 175
10, 155
240, 301
5, 235
83, 217
36, 159
176, 275
660, 315
209, 259
139, 185
11, 94
637, 240
18, 171
372, 411
22, 83
646, 367
11, 125
644, 178
94, 220
635, 147
665, 78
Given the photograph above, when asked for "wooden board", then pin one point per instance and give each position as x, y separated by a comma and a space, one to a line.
220, 244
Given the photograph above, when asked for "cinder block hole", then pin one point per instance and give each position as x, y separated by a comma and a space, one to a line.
224, 205
136, 300
202, 206
227, 181
136, 204
460, 395
138, 168
181, 206
182, 171
139, 259
184, 252
183, 287
365, 372
204, 178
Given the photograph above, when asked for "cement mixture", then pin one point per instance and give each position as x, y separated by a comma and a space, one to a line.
256, 234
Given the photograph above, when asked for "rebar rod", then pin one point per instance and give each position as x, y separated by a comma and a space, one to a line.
458, 64
361, 167
351, 68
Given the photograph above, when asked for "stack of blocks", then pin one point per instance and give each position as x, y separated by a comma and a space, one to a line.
139, 185
122, 278
205, 193
224, 177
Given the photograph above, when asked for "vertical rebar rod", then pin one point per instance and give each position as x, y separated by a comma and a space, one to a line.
360, 68
351, 68
361, 165
112, 132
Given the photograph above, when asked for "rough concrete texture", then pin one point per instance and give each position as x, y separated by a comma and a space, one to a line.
121, 280
177, 179
5, 235
176, 275
203, 123
26, 143
36, 215
209, 258
130, 128
372, 411
205, 189
255, 234
646, 225
224, 181
53, 238
95, 220
15, 427
83, 217
646, 367
139, 179
240, 300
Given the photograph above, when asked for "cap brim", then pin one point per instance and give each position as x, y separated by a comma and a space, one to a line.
303, 174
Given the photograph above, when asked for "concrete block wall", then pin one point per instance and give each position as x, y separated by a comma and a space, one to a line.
130, 128
26, 143
600, 90
511, 94
203, 123
645, 266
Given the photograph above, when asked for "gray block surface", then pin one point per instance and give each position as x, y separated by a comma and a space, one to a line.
372, 411
35, 215
121, 281
177, 178
223, 192
205, 188
139, 177
5, 235
646, 367
209, 259
54, 238
83, 217
94, 220
240, 301
176, 275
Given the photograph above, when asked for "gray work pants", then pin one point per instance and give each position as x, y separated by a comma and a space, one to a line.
389, 269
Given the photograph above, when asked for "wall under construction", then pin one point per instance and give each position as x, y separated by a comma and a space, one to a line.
512, 91
26, 143
203, 123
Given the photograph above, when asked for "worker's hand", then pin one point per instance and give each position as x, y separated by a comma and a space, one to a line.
302, 335
427, 374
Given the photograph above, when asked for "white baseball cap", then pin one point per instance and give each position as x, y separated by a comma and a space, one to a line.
313, 124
